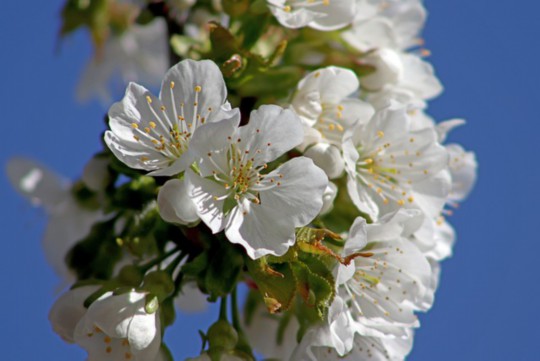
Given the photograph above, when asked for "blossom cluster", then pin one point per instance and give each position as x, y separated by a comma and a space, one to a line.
290, 150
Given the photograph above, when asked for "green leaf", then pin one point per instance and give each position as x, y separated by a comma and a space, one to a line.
96, 255
217, 269
315, 290
224, 45
276, 284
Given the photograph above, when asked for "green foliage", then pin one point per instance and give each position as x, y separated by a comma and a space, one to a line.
217, 269
95, 255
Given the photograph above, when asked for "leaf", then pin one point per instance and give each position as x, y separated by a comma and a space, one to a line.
278, 286
316, 290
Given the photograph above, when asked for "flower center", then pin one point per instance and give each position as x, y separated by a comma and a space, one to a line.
240, 174
380, 169
113, 347
171, 132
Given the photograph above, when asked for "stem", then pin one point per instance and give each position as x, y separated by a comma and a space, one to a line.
235, 316
243, 344
223, 309
158, 260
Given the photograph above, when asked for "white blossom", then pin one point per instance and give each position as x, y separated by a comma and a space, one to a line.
324, 15
68, 310
117, 327
323, 102
232, 192
385, 288
154, 133
389, 39
138, 54
68, 221
390, 166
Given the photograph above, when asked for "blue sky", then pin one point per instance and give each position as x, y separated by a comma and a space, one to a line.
485, 54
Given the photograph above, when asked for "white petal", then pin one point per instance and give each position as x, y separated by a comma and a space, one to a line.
463, 167
389, 69
113, 314
446, 127
328, 158
419, 76
203, 193
268, 227
272, 131
191, 299
96, 174
194, 82
175, 205
39, 184
329, 195
68, 310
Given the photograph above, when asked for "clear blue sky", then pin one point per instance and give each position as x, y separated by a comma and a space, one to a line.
486, 54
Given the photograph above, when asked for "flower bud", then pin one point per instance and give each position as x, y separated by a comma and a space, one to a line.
221, 335
328, 198
328, 158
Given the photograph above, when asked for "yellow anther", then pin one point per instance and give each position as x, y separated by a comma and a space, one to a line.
379, 190
137, 138
369, 161
172, 84
340, 108
401, 202
108, 349
127, 356
287, 8
340, 127
331, 127
148, 99
411, 140
162, 108
317, 74
135, 125
144, 159
410, 199
425, 52
386, 201
426, 171
147, 130
152, 125
198, 89
107, 339
326, 2
380, 133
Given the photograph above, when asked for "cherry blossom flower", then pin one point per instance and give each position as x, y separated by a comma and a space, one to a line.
258, 210
154, 133
390, 166
325, 15
138, 54
68, 221
68, 310
117, 327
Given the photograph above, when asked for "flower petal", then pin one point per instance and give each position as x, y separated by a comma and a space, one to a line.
175, 205
271, 131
